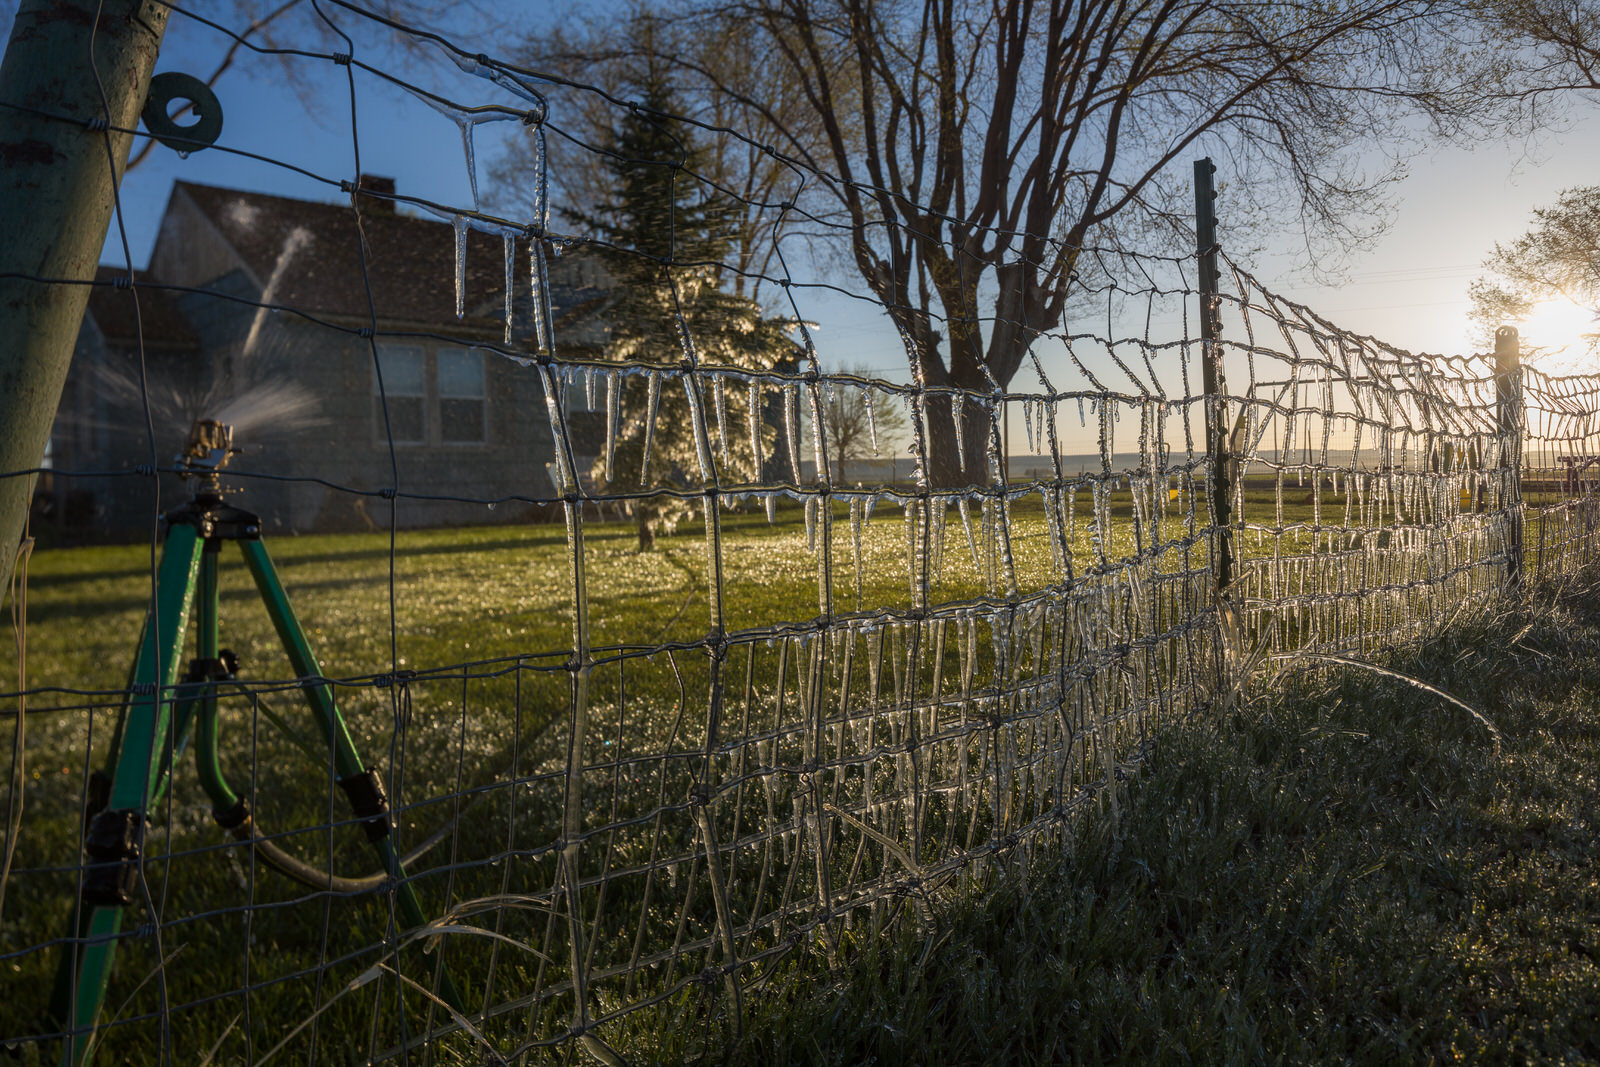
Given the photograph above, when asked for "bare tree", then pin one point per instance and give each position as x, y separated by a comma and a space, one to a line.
972, 148
856, 424
278, 28
1560, 44
1559, 256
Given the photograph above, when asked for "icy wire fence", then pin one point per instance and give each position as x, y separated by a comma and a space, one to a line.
1378, 492
621, 827
1374, 489
1561, 469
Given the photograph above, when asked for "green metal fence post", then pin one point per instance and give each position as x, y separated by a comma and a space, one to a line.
56, 184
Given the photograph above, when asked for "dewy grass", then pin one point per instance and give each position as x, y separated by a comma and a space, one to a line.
1342, 871
461, 596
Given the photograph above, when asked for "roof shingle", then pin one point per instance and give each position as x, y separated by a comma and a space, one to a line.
409, 261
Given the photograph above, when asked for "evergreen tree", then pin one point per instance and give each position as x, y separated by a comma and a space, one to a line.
665, 239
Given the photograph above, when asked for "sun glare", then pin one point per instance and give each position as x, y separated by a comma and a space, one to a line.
1563, 333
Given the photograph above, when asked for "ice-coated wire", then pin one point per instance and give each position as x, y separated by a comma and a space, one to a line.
650, 778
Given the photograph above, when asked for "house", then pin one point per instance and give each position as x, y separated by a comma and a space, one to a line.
297, 378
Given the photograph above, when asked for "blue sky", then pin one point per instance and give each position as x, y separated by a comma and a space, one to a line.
1409, 287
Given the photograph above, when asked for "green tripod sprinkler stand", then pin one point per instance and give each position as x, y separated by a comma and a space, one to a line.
157, 719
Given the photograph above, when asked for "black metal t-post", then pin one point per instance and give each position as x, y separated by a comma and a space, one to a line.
1215, 385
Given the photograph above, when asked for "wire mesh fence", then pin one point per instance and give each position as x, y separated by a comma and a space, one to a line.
475, 777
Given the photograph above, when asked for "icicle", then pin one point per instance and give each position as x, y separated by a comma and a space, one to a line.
697, 427
911, 548
510, 243
613, 406
1027, 425
1060, 551
855, 540
467, 126
811, 523
872, 422
754, 416
791, 426
991, 447
459, 223
719, 402
958, 416
966, 523
564, 478
651, 405
875, 642
539, 295
588, 387
772, 508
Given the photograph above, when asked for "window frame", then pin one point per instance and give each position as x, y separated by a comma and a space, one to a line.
379, 430
482, 396
432, 397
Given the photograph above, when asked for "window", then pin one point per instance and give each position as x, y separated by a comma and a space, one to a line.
437, 397
405, 383
461, 396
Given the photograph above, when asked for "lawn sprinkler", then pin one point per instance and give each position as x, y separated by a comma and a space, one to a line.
161, 711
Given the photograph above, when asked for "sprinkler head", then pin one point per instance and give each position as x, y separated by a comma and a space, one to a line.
207, 451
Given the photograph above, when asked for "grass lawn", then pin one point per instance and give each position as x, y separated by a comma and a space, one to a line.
478, 747
1342, 870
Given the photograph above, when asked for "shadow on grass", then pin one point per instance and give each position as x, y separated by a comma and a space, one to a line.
1342, 870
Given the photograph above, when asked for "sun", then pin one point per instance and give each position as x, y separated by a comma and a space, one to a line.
1563, 332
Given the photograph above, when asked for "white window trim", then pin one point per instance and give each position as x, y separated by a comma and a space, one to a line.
432, 416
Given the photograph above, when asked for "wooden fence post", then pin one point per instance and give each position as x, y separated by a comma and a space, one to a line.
59, 164
1213, 381
1509, 417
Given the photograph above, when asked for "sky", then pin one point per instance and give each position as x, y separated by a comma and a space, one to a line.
1408, 287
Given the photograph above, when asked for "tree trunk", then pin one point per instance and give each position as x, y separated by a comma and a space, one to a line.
946, 469
647, 534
